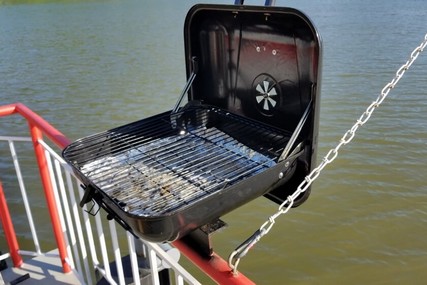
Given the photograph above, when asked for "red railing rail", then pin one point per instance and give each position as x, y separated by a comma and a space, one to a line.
38, 126
215, 267
34, 119
9, 230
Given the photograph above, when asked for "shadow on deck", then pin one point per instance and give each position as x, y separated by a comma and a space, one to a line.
46, 270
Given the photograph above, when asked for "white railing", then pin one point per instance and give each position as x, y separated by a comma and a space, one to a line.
93, 243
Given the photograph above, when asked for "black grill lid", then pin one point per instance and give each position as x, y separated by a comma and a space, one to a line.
260, 62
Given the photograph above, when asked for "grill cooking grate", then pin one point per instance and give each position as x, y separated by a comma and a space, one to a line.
161, 175
154, 168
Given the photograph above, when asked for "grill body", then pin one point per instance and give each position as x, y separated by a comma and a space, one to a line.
257, 76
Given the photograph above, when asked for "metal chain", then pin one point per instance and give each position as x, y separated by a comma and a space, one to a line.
243, 249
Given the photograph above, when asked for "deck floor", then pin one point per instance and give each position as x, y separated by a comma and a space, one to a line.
45, 270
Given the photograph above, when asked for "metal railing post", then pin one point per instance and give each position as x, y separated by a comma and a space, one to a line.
9, 230
36, 135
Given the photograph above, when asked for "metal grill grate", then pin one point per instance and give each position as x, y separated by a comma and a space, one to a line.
161, 175
156, 166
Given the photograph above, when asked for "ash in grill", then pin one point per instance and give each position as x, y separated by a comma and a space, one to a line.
248, 129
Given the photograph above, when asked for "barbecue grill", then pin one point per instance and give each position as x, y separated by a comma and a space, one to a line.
244, 126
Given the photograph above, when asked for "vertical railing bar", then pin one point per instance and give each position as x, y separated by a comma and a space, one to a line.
77, 222
89, 232
152, 257
178, 278
24, 196
66, 207
133, 259
58, 201
117, 254
103, 246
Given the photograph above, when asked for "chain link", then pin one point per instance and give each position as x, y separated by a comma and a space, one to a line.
329, 158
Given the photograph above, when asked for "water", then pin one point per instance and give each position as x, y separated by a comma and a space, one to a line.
87, 66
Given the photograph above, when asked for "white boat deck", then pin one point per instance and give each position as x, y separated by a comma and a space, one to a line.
46, 270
